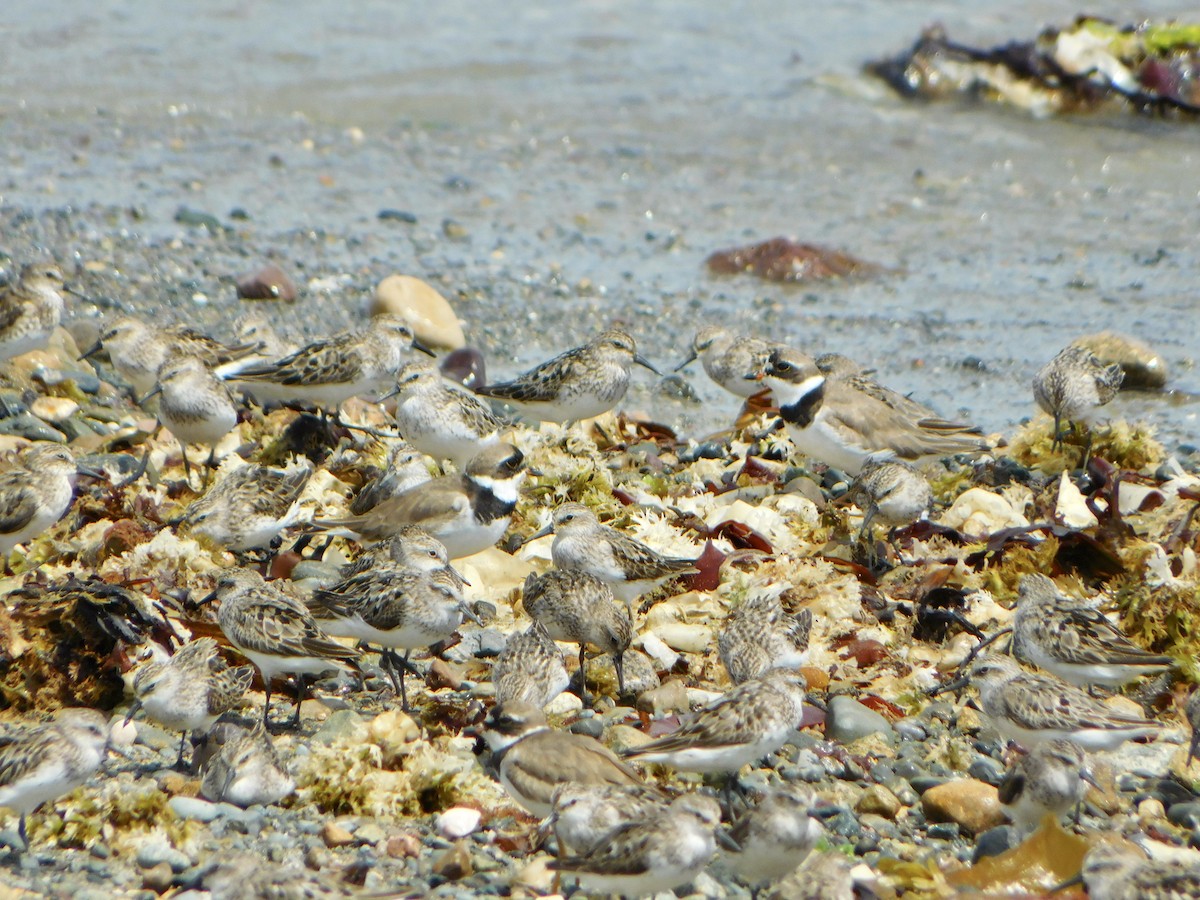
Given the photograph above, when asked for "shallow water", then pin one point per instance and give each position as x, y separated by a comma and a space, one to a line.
592, 155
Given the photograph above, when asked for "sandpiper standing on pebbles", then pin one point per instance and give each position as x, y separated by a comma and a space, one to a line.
1075, 641
327, 373
629, 567
468, 513
1051, 778
580, 608
892, 492
1032, 708
587, 815
276, 632
397, 607
533, 759
190, 690
776, 835
839, 422
579, 384
196, 407
246, 770
1073, 385
40, 762
442, 421
30, 309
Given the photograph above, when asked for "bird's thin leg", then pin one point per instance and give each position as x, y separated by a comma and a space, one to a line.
179, 758
583, 675
21, 831
301, 685
619, 665
403, 692
267, 702
187, 467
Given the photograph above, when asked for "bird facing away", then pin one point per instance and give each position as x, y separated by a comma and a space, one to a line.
629, 567
276, 632
1073, 385
534, 760
30, 309
651, 855
759, 635
579, 384
578, 607
843, 421
40, 762
1073, 640
1033, 707
530, 668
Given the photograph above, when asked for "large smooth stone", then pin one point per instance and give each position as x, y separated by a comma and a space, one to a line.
429, 314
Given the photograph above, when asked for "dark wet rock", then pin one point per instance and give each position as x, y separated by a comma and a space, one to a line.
986, 770
677, 388
910, 729
268, 283
848, 720
465, 366
707, 450
196, 219
454, 864
592, 726
30, 427
397, 215
993, 842
944, 831
923, 783
1186, 815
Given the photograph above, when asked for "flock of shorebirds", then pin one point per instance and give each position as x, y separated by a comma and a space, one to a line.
615, 830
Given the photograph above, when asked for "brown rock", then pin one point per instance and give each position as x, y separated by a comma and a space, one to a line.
1143, 367
880, 801
158, 878
454, 863
972, 805
666, 698
780, 259
268, 283
404, 846
334, 835
443, 675
429, 313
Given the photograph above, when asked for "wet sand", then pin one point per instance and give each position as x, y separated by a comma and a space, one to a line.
572, 166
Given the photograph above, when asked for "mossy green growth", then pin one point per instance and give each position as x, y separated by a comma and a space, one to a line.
1162, 39
1165, 619
1128, 446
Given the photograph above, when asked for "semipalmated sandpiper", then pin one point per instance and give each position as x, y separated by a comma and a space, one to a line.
586, 815
731, 360
246, 770
248, 506
276, 632
580, 608
629, 567
1073, 385
1032, 708
759, 635
42, 761
749, 722
579, 384
530, 669
405, 468
190, 690
329, 372
35, 493
656, 854
30, 309
776, 835
442, 421
196, 406
468, 513
1073, 640
1051, 778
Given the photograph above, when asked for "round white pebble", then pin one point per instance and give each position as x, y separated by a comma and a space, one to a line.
457, 822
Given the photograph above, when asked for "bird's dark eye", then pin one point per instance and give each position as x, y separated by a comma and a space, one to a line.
783, 367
